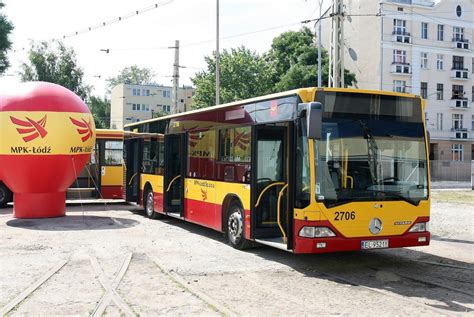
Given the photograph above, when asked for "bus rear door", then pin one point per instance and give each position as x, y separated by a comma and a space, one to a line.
175, 172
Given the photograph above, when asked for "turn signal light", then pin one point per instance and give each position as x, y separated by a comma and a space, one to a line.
316, 232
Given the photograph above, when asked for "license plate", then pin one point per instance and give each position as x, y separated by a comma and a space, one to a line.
373, 244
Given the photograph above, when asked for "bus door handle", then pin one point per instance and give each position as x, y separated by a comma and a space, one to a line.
280, 194
171, 183
265, 189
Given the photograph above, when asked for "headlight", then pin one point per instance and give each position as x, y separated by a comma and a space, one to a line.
419, 227
316, 232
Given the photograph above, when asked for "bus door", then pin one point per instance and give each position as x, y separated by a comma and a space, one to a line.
175, 172
133, 159
270, 164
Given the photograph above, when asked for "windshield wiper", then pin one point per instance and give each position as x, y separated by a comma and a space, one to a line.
372, 150
397, 195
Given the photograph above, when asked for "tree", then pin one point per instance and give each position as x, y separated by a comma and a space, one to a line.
243, 74
100, 109
55, 65
6, 28
294, 61
131, 75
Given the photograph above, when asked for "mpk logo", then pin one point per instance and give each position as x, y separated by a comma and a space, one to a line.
31, 127
242, 140
84, 128
204, 194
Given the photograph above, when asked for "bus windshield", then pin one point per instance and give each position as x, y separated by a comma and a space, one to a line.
372, 148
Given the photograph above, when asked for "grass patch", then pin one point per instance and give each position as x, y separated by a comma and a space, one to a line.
455, 196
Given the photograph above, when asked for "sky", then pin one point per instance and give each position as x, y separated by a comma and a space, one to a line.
144, 39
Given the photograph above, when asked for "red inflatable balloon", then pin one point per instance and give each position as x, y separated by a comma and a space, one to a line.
46, 137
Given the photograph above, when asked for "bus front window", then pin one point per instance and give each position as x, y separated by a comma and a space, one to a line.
365, 157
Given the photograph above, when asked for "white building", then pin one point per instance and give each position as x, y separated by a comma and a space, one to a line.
422, 47
132, 103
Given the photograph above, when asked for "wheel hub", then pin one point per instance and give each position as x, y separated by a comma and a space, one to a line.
235, 225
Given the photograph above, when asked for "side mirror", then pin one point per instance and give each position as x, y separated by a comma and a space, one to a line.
314, 118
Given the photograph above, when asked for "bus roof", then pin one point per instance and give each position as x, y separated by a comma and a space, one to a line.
307, 94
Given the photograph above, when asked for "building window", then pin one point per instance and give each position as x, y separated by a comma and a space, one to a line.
134, 106
399, 57
457, 121
472, 97
458, 92
458, 152
424, 60
399, 85
439, 91
458, 34
439, 121
440, 32
472, 124
440, 61
458, 62
424, 30
146, 92
234, 144
424, 90
166, 94
399, 27
136, 92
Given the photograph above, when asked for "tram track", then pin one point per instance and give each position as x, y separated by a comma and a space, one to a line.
182, 283
15, 302
354, 283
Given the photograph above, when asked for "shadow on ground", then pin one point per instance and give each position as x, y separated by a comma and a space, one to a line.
73, 223
413, 274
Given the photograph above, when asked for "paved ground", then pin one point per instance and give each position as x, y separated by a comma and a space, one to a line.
112, 260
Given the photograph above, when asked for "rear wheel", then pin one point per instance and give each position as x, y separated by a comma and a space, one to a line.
149, 204
5, 195
236, 227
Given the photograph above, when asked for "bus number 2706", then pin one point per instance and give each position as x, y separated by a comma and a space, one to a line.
345, 215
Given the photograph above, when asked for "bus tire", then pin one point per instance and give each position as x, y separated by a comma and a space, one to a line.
5, 195
236, 227
148, 204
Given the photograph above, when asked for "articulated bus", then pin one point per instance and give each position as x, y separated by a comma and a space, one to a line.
101, 178
307, 171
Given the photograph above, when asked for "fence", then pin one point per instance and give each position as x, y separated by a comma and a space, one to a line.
454, 171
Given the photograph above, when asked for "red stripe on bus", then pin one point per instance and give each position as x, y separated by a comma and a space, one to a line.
111, 192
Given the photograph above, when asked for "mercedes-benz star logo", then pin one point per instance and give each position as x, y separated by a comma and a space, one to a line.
375, 226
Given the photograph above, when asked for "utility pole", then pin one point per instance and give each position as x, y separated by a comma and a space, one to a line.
336, 49
218, 67
319, 43
174, 99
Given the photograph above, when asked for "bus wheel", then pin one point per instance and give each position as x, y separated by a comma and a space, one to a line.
235, 227
149, 204
5, 195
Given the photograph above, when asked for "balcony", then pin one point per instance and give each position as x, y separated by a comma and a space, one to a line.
460, 43
460, 74
400, 68
461, 104
460, 134
401, 37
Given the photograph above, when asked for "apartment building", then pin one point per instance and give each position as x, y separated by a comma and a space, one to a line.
423, 47
132, 103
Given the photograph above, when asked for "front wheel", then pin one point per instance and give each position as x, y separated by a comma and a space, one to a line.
5, 195
149, 204
236, 228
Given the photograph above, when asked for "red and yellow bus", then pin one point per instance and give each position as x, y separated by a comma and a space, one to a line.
101, 178
307, 171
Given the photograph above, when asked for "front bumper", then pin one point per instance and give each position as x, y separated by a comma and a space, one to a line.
338, 243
